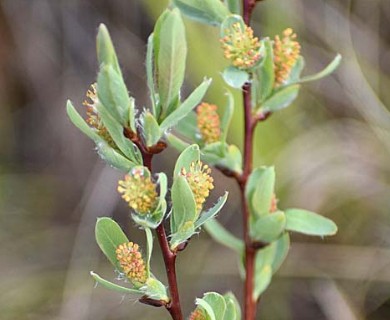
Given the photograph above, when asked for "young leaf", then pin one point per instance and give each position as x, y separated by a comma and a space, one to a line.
80, 123
268, 228
183, 202
109, 236
282, 245
112, 93
211, 12
281, 99
234, 6
262, 281
149, 248
171, 59
150, 74
112, 286
309, 223
260, 189
233, 310
186, 107
295, 73
217, 303
115, 130
223, 237
186, 231
265, 74
189, 155
212, 212
327, 71
177, 143
227, 116
188, 126
105, 49
151, 129
206, 306
113, 157
235, 77
154, 289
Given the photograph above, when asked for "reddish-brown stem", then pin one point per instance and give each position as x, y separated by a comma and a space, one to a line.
250, 251
173, 306
249, 126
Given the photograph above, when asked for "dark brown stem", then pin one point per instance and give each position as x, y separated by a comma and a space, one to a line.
173, 306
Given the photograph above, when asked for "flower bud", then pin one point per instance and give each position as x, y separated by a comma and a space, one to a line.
93, 118
208, 122
197, 314
130, 259
200, 182
286, 54
240, 46
139, 191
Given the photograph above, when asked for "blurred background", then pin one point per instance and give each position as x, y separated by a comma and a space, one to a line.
330, 148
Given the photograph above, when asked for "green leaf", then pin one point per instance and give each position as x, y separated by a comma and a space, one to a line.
295, 73
112, 286
115, 130
281, 99
189, 155
154, 289
212, 212
149, 248
183, 202
233, 310
207, 308
224, 237
109, 236
282, 246
264, 74
151, 129
268, 228
113, 94
171, 59
325, 72
105, 49
188, 126
186, 107
217, 303
234, 6
177, 143
227, 116
211, 12
235, 77
186, 231
80, 123
113, 157
309, 223
262, 281
150, 73
260, 190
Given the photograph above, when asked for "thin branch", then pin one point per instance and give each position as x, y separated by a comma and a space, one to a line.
173, 306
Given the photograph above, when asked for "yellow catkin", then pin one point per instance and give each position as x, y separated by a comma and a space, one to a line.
132, 263
139, 191
286, 54
208, 122
200, 182
197, 314
93, 118
240, 46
